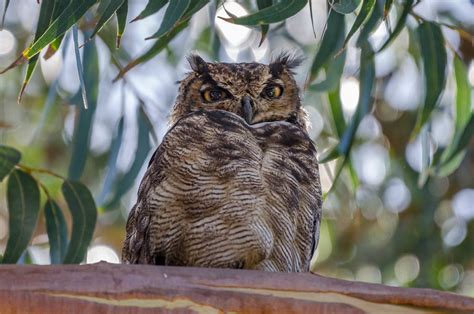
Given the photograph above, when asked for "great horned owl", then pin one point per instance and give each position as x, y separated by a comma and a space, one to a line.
235, 181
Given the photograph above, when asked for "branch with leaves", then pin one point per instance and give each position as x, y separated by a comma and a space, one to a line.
23, 201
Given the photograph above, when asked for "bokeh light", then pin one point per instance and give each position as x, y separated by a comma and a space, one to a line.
98, 253
463, 204
396, 196
316, 121
349, 95
7, 42
235, 35
399, 94
369, 273
454, 231
371, 162
450, 275
407, 268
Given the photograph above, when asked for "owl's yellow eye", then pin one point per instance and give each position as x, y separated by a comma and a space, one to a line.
273, 91
213, 94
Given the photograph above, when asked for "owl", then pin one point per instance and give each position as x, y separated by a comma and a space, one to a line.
235, 181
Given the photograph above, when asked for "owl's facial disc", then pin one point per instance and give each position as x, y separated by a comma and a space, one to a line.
256, 92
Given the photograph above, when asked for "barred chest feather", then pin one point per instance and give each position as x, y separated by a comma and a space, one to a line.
222, 193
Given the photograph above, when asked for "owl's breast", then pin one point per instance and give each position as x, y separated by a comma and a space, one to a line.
230, 191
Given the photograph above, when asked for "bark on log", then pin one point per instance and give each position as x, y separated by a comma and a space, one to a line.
111, 288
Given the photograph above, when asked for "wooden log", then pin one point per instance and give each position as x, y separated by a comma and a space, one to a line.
113, 288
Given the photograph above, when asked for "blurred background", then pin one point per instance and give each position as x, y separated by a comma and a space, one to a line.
379, 225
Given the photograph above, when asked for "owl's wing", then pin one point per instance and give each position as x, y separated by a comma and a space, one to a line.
290, 174
136, 248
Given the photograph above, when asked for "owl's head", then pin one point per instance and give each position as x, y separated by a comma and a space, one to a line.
256, 92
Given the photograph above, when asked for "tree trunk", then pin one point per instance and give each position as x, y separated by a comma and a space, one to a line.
112, 288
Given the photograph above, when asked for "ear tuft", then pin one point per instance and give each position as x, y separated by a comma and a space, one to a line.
284, 60
197, 64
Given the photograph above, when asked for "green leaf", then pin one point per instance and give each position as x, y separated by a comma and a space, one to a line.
434, 58
83, 126
336, 111
193, 8
71, 14
400, 24
9, 157
112, 163
364, 105
59, 7
460, 141
141, 153
372, 23
275, 13
387, 6
262, 4
5, 8
364, 14
157, 47
330, 43
164, 40
344, 6
84, 216
152, 7
173, 14
463, 93
449, 159
46, 12
121, 22
79, 66
57, 231
425, 157
333, 75
23, 200
108, 12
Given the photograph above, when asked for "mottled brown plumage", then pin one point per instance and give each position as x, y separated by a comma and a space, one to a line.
235, 181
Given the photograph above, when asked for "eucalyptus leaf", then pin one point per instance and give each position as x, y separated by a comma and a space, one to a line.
344, 6
400, 24
262, 4
9, 157
122, 12
71, 14
434, 68
334, 71
79, 66
157, 47
108, 12
275, 13
83, 126
125, 182
56, 228
46, 12
364, 14
112, 163
5, 8
387, 6
23, 201
173, 14
152, 7
53, 47
84, 216
374, 20
463, 93
331, 43
364, 105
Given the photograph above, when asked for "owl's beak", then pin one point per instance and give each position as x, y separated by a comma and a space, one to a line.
247, 108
